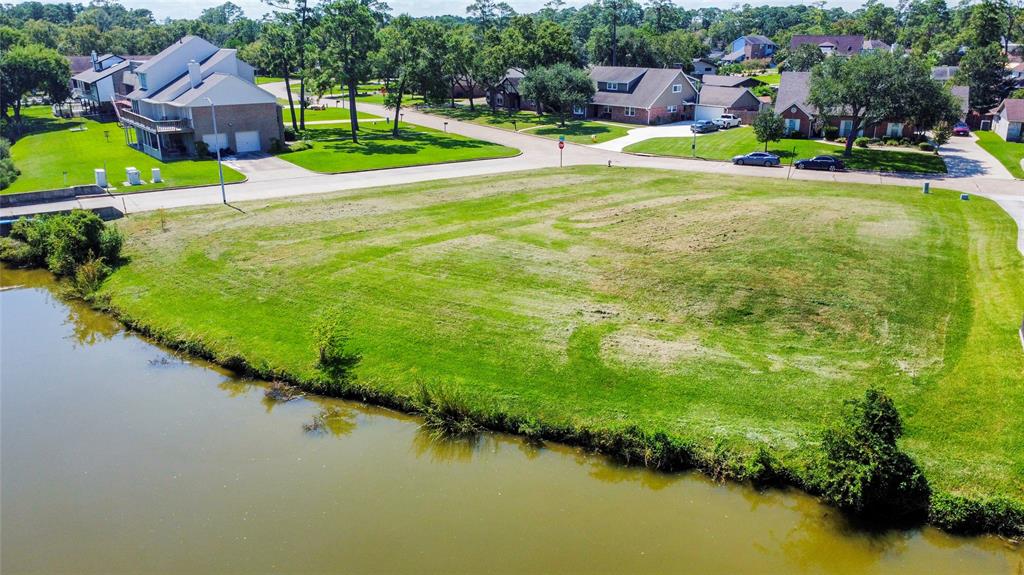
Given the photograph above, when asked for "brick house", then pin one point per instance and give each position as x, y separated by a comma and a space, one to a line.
505, 94
168, 111
803, 118
713, 101
640, 95
841, 45
750, 47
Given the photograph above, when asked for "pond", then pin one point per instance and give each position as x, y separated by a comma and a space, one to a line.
120, 456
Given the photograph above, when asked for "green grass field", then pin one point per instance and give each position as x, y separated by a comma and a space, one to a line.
725, 144
578, 131
1009, 154
268, 80
731, 312
331, 114
772, 79
333, 150
53, 148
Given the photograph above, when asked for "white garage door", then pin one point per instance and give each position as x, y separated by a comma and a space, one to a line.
247, 141
212, 140
701, 112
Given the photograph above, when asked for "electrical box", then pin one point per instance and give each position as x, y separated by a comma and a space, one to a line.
134, 177
156, 179
101, 177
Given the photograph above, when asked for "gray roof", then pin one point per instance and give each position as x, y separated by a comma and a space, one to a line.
167, 51
653, 83
851, 44
734, 56
731, 81
721, 95
758, 39
876, 45
794, 88
171, 91
1014, 109
962, 93
943, 73
89, 76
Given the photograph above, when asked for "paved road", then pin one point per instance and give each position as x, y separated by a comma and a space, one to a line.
965, 158
275, 178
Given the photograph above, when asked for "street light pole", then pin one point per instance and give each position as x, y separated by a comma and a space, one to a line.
220, 167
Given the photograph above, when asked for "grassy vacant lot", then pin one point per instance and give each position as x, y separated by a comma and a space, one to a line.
578, 131
332, 114
725, 144
732, 312
1009, 154
333, 150
53, 148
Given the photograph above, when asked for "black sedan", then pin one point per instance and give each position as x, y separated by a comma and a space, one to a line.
756, 159
703, 127
830, 163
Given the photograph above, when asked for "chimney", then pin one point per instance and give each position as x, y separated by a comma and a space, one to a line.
195, 77
95, 62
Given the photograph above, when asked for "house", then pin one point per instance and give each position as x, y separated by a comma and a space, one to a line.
803, 118
750, 47
703, 66
640, 95
730, 81
505, 94
944, 73
843, 45
1008, 120
169, 110
963, 95
96, 85
713, 101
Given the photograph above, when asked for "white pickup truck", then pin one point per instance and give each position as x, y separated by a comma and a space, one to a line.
727, 121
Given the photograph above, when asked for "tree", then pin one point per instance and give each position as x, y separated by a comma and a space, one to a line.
459, 59
860, 87
300, 19
560, 87
863, 470
663, 16
985, 24
983, 70
346, 33
805, 57
25, 69
413, 52
769, 127
678, 48
276, 55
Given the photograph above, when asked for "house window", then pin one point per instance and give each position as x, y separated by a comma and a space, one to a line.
606, 109
894, 129
630, 111
671, 109
578, 110
500, 99
677, 88
613, 87
792, 125
845, 127
142, 81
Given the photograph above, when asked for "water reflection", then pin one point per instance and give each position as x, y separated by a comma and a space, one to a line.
337, 420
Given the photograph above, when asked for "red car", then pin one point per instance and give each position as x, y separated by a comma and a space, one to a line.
961, 129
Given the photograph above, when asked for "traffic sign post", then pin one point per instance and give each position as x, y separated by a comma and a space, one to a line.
561, 146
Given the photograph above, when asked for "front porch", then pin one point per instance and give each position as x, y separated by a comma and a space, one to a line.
163, 147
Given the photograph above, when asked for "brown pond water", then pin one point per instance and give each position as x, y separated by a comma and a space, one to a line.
120, 457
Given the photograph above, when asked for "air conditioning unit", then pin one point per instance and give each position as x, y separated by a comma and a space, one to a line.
134, 177
156, 179
101, 177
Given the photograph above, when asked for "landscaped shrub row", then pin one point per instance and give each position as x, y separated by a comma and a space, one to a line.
8, 173
860, 470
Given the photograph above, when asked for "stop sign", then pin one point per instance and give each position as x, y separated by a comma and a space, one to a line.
561, 145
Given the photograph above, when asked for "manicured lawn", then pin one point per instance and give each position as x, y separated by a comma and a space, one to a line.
727, 312
333, 150
321, 115
267, 80
725, 144
769, 78
53, 148
1009, 154
580, 132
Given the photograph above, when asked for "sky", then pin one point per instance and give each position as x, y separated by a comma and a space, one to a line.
255, 8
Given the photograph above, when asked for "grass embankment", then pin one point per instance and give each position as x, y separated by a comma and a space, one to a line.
51, 148
333, 151
608, 306
577, 131
725, 144
1009, 154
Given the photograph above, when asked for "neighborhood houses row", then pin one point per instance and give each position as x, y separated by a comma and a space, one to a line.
165, 103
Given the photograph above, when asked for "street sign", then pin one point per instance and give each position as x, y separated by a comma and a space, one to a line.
561, 145
561, 138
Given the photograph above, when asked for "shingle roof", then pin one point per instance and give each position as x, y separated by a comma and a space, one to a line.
167, 51
653, 83
794, 88
962, 93
236, 84
721, 95
758, 39
876, 45
734, 56
732, 81
89, 76
943, 73
171, 91
1013, 108
852, 44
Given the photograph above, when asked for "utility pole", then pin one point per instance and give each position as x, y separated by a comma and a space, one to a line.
220, 167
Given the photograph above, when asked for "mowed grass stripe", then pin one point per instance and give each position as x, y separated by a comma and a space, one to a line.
724, 310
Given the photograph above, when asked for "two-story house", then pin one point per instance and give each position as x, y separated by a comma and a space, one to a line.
750, 47
640, 95
838, 45
105, 76
171, 107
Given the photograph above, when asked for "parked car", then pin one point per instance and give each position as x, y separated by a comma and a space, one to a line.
703, 127
961, 129
727, 121
830, 163
757, 159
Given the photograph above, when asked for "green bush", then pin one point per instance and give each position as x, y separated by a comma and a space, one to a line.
8, 172
300, 146
926, 147
202, 149
831, 132
330, 336
289, 134
962, 515
861, 142
864, 471
62, 242
14, 252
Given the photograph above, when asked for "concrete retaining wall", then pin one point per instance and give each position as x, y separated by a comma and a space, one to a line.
11, 200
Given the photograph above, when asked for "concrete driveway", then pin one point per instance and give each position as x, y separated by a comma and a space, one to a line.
676, 130
966, 159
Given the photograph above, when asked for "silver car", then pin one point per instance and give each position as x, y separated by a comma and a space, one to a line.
757, 159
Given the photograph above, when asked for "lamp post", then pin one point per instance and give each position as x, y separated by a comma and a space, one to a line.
220, 167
